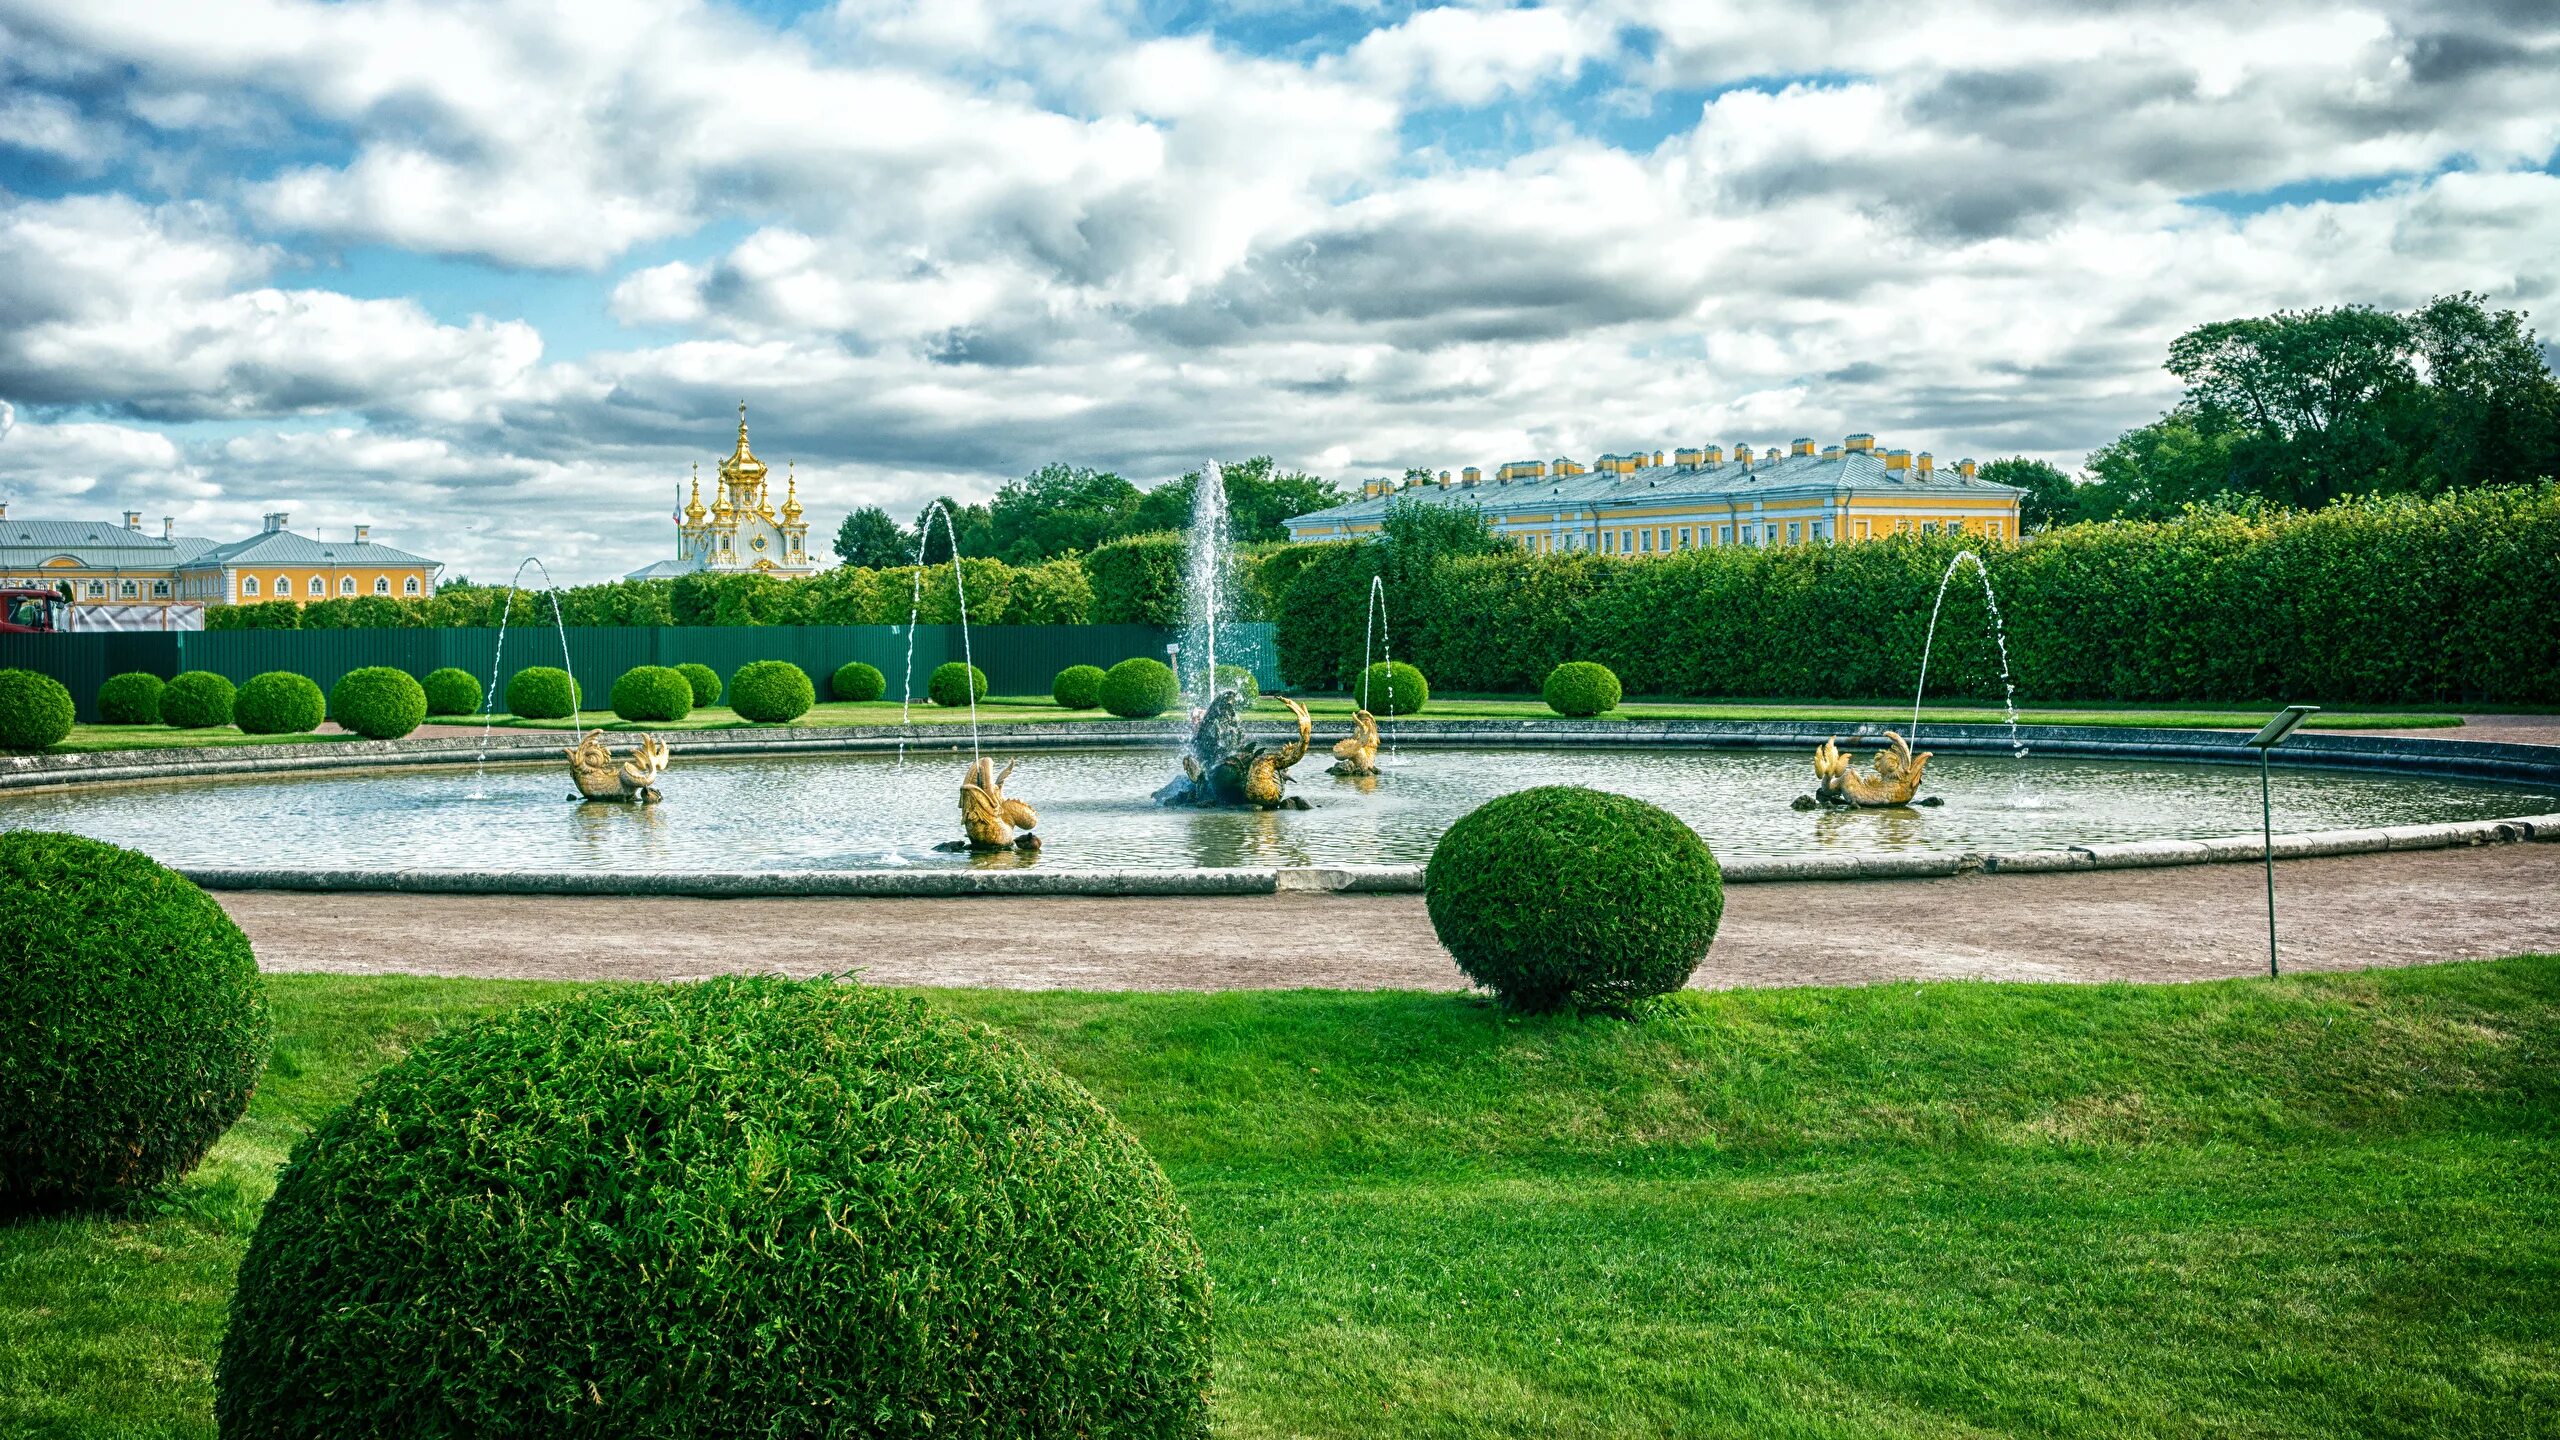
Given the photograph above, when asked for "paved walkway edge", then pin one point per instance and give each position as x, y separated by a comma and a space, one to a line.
1337, 879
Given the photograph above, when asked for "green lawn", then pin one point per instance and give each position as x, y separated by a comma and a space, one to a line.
2313, 1207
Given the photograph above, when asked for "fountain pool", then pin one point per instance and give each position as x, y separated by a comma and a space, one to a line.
871, 811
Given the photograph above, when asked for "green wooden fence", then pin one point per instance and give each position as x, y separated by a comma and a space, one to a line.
1018, 659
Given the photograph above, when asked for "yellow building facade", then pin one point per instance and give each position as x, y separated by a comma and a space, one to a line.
1643, 503
99, 563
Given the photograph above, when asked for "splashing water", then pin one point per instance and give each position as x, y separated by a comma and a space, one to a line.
915, 608
1999, 637
1207, 584
497, 658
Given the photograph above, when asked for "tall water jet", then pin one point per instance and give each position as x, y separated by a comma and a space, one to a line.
497, 662
1999, 638
1208, 586
915, 609
1374, 626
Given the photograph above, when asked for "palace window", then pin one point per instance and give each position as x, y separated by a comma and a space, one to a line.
1684, 537
1928, 527
159, 589
1608, 542
409, 586
346, 584
381, 584
248, 584
1863, 529
1795, 531
1991, 528
127, 590
1644, 539
97, 589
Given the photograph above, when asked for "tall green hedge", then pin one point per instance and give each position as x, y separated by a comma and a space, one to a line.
2391, 601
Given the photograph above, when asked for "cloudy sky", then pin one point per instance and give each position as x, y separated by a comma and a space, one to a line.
491, 275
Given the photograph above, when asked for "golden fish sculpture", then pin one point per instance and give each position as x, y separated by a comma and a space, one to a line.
990, 819
632, 778
1895, 779
1358, 754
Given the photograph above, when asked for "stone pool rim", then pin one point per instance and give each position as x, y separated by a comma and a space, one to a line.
2500, 761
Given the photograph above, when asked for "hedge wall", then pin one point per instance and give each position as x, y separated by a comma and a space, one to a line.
2404, 600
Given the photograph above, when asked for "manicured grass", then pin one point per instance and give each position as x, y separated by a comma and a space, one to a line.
156, 737
2312, 1207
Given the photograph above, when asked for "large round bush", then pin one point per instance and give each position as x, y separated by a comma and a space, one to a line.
1138, 688
771, 692
197, 700
955, 683
1563, 898
652, 692
132, 1022
542, 692
743, 1207
279, 702
1583, 687
35, 710
378, 702
857, 681
1391, 688
452, 691
1078, 687
1240, 680
704, 680
132, 698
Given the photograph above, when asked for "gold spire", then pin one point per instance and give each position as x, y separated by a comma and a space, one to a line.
742, 469
791, 492
693, 507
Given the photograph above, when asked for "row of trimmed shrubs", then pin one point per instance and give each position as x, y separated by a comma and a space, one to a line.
377, 701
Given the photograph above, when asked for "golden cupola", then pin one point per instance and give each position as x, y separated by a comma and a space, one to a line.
791, 496
742, 473
693, 507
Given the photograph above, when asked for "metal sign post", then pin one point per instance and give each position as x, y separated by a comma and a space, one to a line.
2269, 736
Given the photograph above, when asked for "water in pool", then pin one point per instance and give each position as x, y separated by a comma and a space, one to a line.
874, 811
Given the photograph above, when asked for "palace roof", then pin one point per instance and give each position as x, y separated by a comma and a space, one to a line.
283, 547
96, 544
1708, 483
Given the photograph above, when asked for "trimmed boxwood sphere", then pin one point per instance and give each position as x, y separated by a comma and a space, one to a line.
378, 702
704, 680
132, 698
1583, 687
279, 702
771, 692
1137, 688
750, 1206
35, 710
955, 682
855, 680
197, 700
132, 1021
1564, 898
452, 691
542, 692
1391, 688
652, 692
1078, 687
1239, 679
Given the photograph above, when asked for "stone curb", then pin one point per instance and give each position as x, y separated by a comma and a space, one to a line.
1354, 879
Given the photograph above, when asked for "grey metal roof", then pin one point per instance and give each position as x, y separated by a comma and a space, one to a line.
283, 547
98, 544
1786, 477
663, 570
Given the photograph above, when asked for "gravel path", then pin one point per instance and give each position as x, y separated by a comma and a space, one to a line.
2199, 922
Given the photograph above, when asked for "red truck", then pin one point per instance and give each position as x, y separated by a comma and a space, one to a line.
32, 612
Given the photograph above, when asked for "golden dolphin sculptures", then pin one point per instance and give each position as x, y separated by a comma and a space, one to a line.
1268, 770
989, 818
1358, 753
634, 777
1896, 777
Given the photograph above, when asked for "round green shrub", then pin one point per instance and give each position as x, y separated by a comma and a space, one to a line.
1137, 688
1078, 687
132, 698
771, 692
35, 710
704, 680
132, 1022
749, 1206
955, 682
1391, 688
279, 702
652, 692
197, 700
542, 692
378, 702
1583, 687
1240, 680
1563, 898
452, 692
855, 680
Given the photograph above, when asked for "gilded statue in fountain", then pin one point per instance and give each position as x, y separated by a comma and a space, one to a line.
1357, 754
1893, 781
632, 778
992, 821
1223, 767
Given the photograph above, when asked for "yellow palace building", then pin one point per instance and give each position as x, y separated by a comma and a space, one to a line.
128, 578
1699, 498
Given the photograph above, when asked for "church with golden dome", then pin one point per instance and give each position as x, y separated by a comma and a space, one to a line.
741, 532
